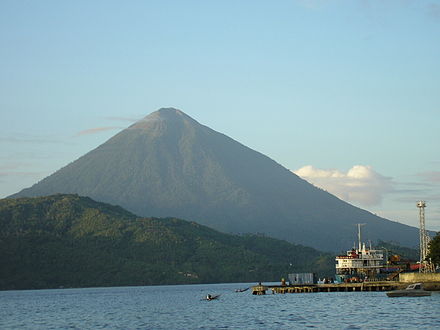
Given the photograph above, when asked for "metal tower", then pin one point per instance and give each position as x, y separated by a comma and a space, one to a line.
425, 265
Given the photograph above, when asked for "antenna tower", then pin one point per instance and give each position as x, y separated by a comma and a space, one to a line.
425, 265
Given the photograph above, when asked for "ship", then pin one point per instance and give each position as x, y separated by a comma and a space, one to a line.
360, 263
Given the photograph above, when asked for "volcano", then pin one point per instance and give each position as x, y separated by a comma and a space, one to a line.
169, 165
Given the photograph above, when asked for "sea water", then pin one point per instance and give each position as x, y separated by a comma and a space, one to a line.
184, 307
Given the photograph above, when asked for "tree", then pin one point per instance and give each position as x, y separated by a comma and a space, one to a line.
434, 249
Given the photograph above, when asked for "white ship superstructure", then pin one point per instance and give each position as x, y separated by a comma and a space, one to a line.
360, 262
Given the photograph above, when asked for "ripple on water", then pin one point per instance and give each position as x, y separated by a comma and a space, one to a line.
183, 307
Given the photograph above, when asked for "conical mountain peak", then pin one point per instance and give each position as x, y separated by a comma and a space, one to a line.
161, 117
167, 114
170, 113
168, 164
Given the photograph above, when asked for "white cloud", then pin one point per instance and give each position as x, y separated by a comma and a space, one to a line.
431, 176
24, 138
360, 184
434, 10
97, 130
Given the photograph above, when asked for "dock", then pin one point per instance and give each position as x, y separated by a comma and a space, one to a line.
262, 289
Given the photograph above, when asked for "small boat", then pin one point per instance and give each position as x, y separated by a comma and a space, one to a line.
212, 297
413, 290
241, 290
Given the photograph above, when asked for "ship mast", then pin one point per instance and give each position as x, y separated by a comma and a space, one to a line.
359, 235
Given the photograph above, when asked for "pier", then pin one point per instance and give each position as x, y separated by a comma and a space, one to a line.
262, 289
431, 282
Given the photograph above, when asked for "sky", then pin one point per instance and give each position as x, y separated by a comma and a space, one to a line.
345, 94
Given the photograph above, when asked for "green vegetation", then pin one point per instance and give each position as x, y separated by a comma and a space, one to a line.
434, 250
72, 241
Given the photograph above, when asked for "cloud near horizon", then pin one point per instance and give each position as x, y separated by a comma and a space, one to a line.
97, 130
360, 184
431, 176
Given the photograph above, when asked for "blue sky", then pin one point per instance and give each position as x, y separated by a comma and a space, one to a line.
345, 93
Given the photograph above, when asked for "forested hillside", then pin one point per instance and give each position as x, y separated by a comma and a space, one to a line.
72, 241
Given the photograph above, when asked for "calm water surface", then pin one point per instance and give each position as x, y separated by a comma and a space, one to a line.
183, 307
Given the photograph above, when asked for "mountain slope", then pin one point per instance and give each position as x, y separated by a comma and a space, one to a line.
170, 165
72, 241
